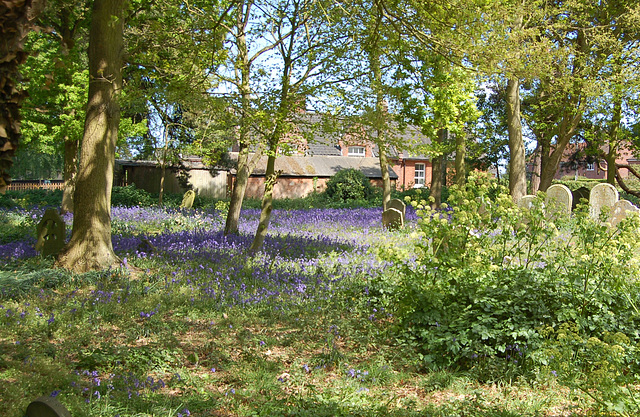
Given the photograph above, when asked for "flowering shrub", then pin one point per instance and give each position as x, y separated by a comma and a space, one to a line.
488, 276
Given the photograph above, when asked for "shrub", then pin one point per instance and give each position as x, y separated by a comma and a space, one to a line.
130, 196
488, 276
349, 185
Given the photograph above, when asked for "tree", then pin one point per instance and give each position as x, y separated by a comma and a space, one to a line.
16, 19
53, 113
90, 247
306, 47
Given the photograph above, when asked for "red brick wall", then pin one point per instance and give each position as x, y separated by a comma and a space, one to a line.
406, 170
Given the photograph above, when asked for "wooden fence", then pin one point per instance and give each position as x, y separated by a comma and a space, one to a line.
20, 185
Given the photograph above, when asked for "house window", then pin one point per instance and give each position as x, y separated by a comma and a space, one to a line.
356, 150
591, 166
419, 175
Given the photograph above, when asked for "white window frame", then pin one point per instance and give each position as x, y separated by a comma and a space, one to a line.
591, 166
420, 174
357, 151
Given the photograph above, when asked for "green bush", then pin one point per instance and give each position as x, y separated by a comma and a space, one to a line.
349, 185
489, 276
130, 196
31, 198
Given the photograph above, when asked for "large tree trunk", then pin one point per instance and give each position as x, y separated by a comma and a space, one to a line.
270, 179
566, 131
70, 171
16, 17
517, 166
90, 247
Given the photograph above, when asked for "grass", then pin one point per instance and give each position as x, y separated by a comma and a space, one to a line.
203, 328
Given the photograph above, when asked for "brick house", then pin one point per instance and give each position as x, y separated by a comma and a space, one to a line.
309, 163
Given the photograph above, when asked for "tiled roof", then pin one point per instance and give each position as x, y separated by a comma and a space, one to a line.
321, 166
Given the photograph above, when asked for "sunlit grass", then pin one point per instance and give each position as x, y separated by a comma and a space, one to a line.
201, 327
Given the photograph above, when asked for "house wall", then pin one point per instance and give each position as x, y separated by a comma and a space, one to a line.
290, 187
406, 170
148, 178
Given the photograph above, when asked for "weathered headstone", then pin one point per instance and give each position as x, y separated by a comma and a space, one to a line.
579, 194
482, 210
187, 200
392, 219
620, 210
559, 201
527, 201
51, 233
47, 407
602, 195
398, 205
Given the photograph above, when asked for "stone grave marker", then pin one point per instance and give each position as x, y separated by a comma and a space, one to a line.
602, 195
578, 194
620, 210
47, 407
398, 205
527, 201
51, 233
392, 219
559, 200
187, 200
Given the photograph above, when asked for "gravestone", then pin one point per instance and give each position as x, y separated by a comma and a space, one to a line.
51, 233
620, 210
482, 210
187, 200
398, 205
47, 407
392, 219
559, 200
527, 201
579, 194
602, 195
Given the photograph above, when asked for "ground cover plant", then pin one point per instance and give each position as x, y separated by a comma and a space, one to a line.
327, 320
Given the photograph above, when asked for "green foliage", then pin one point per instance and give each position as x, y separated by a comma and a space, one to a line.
31, 198
488, 276
349, 185
130, 196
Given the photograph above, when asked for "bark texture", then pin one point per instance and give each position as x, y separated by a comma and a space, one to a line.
16, 20
517, 167
70, 172
90, 246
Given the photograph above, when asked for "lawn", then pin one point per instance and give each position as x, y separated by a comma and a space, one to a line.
197, 326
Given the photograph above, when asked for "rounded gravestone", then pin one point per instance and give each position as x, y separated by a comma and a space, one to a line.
621, 209
526, 202
559, 200
47, 407
601, 196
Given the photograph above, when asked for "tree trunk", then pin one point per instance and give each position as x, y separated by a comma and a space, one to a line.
16, 19
517, 166
612, 154
386, 180
239, 188
90, 247
70, 171
537, 166
461, 149
270, 179
437, 173
379, 122
245, 166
